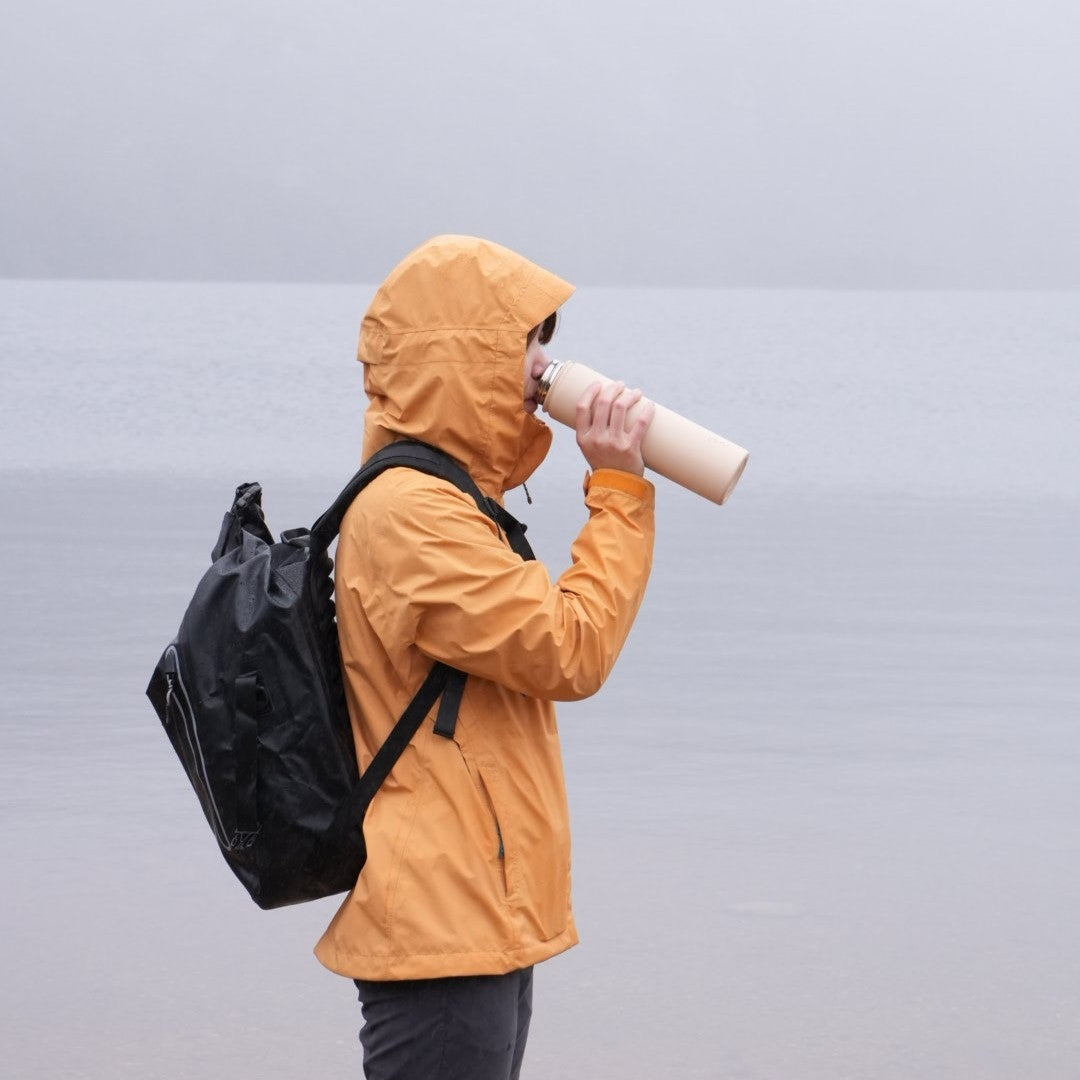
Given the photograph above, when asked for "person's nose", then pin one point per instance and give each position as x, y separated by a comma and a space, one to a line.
539, 363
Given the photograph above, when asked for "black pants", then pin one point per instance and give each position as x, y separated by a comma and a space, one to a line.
469, 1028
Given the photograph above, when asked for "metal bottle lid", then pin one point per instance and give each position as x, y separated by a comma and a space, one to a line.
551, 373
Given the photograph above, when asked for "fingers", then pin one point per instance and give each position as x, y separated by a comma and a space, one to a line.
610, 427
641, 422
605, 407
584, 411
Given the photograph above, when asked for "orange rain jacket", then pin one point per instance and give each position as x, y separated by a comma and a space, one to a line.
468, 868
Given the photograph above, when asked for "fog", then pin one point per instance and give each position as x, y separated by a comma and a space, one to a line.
764, 143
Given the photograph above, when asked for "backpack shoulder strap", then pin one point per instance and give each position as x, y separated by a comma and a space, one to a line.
443, 683
407, 453
412, 454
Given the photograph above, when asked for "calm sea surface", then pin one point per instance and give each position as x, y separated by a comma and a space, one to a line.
826, 811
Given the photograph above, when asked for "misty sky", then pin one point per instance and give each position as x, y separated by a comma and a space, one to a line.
724, 142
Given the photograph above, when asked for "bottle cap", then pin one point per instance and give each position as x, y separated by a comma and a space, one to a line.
551, 373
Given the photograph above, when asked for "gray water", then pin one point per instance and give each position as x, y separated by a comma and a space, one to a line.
826, 811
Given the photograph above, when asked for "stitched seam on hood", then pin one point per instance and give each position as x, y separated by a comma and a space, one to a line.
515, 300
496, 329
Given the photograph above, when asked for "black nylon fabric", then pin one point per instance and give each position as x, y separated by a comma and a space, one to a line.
251, 698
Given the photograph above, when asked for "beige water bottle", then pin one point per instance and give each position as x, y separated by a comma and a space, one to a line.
694, 457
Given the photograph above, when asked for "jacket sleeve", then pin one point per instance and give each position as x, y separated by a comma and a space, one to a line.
440, 577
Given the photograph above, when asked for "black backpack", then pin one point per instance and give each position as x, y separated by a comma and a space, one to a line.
251, 697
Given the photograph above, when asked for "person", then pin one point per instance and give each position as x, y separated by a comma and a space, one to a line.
467, 881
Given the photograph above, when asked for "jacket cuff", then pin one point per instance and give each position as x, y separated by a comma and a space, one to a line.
617, 480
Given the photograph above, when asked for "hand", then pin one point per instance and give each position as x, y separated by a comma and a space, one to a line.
609, 437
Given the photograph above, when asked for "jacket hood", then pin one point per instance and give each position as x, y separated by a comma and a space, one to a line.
443, 347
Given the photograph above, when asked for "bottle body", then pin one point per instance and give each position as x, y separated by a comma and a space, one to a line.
692, 456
